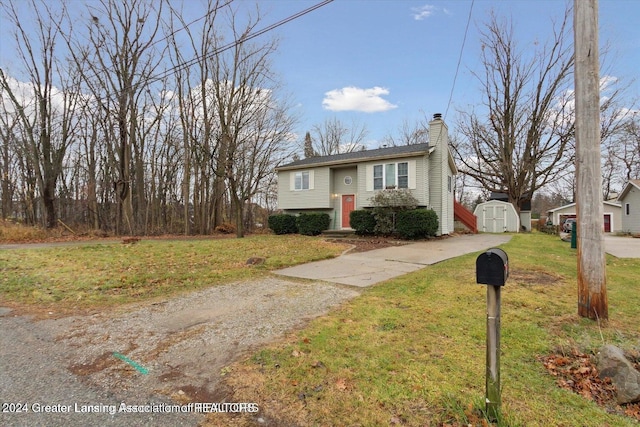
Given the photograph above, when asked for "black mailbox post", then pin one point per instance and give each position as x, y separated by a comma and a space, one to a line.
492, 269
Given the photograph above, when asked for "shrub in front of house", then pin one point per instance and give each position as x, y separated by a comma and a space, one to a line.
312, 224
417, 223
363, 222
283, 224
387, 204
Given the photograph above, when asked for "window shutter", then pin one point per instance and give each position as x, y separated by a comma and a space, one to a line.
412, 174
369, 172
292, 180
310, 180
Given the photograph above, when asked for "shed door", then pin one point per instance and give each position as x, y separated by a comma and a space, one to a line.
607, 223
501, 219
348, 205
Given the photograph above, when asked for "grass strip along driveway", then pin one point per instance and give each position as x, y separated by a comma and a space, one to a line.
72, 278
411, 351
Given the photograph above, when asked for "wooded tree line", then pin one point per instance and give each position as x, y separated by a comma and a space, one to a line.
130, 117
136, 121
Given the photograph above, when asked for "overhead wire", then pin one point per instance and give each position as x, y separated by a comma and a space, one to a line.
235, 43
455, 77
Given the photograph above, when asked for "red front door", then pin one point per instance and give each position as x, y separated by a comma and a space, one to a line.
348, 205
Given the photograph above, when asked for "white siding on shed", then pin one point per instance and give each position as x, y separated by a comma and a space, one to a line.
496, 216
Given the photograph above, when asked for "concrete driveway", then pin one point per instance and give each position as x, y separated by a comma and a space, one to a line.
367, 268
622, 247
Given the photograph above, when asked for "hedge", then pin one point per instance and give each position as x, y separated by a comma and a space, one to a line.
283, 224
363, 222
417, 223
312, 224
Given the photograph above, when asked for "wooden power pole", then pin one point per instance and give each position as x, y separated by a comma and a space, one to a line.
592, 282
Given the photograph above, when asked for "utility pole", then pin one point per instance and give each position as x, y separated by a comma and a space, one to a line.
592, 282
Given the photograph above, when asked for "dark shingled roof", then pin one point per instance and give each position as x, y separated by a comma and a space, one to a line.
354, 156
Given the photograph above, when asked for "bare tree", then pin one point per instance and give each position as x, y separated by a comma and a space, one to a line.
253, 122
118, 65
46, 113
628, 148
409, 134
198, 118
335, 137
8, 125
517, 144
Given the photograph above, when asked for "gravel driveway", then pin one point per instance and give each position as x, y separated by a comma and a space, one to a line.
149, 357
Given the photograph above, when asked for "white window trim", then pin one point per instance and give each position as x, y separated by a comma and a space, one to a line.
292, 180
410, 171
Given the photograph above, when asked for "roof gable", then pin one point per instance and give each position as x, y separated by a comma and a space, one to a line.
627, 188
359, 156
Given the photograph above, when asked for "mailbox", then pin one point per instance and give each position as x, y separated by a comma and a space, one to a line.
492, 267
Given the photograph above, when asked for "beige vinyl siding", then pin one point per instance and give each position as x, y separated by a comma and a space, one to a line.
437, 187
416, 175
439, 195
631, 222
339, 185
318, 196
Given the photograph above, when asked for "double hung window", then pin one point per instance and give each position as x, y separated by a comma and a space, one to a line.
391, 175
301, 181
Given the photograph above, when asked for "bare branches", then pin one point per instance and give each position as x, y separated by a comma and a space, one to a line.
517, 142
334, 137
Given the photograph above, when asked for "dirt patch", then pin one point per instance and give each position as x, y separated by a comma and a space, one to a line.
532, 277
364, 244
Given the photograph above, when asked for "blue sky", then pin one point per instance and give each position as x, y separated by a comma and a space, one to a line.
380, 63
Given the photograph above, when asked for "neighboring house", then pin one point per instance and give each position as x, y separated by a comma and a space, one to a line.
496, 216
340, 183
630, 200
611, 211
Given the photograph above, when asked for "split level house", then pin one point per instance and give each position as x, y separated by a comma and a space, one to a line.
340, 183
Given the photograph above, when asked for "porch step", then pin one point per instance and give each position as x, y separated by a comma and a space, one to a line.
338, 233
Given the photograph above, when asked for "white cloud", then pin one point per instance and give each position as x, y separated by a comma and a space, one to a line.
423, 12
357, 99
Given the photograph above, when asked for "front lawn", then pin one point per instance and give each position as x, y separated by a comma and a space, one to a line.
71, 278
411, 351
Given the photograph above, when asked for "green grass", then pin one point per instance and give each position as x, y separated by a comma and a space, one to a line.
411, 351
78, 277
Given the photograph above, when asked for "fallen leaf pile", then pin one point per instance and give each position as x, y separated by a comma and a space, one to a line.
577, 372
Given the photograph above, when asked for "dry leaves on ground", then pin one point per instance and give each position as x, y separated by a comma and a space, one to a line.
577, 372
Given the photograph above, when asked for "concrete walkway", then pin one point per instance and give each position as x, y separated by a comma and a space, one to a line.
367, 268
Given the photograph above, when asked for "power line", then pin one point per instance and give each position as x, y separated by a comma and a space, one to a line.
235, 43
455, 77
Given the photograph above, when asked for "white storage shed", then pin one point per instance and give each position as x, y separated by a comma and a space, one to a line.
496, 216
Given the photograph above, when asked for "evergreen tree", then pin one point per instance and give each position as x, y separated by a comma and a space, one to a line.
308, 147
